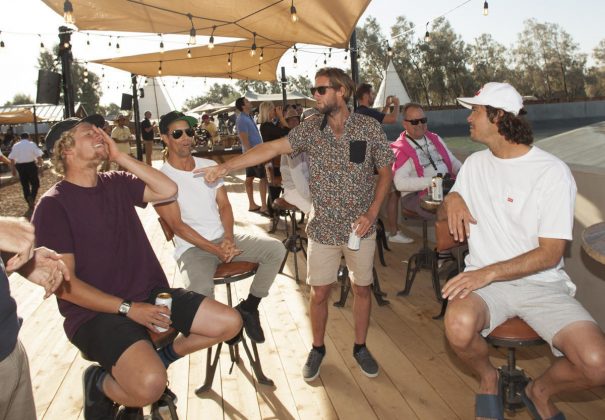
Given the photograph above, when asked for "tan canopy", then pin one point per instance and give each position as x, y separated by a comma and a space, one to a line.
18, 116
321, 22
207, 62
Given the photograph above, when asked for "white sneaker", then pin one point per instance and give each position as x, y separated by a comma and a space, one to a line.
400, 238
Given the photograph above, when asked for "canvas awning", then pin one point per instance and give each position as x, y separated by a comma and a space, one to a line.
208, 106
229, 60
18, 116
320, 22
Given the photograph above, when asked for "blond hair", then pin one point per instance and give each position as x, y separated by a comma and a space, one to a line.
264, 111
65, 142
338, 78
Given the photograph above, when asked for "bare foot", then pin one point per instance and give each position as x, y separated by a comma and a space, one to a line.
542, 402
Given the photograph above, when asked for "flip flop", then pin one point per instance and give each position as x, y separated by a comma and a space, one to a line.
489, 406
265, 213
255, 210
534, 411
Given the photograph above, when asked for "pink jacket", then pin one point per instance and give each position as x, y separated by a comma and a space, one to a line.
403, 151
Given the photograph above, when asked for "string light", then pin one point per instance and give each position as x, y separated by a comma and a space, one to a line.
259, 70
160, 69
295, 61
109, 41
293, 14
189, 53
262, 54
68, 12
427, 35
1, 40
192, 32
211, 43
389, 50
118, 43
41, 43
325, 60
88, 39
229, 60
253, 48
485, 8
161, 44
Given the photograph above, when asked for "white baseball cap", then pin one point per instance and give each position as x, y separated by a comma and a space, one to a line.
498, 95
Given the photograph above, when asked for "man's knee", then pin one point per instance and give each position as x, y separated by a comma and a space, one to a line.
362, 292
461, 324
149, 387
275, 249
320, 294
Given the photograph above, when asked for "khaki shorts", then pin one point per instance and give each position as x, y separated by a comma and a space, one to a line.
547, 307
124, 147
324, 260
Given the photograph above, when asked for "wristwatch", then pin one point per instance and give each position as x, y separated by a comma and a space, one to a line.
124, 307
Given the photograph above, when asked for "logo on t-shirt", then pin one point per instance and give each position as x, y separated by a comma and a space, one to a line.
509, 199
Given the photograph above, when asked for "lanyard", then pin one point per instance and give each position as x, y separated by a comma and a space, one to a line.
426, 152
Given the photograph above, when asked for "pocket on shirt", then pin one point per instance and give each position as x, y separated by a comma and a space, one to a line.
357, 151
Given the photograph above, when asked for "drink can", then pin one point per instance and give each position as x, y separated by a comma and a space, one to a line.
354, 240
437, 190
163, 299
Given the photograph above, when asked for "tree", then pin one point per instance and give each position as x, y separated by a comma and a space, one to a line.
87, 87
595, 76
488, 60
223, 94
372, 46
111, 109
599, 53
20, 99
406, 59
300, 84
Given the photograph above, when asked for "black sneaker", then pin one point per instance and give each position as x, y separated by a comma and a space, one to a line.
235, 339
96, 405
311, 368
130, 413
168, 395
252, 324
366, 362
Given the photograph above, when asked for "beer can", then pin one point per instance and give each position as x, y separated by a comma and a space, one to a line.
354, 240
437, 190
163, 299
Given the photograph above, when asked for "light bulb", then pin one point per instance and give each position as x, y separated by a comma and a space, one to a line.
189, 53
293, 15
485, 8
68, 10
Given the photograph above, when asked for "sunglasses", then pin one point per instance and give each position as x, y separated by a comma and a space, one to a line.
176, 134
418, 121
321, 89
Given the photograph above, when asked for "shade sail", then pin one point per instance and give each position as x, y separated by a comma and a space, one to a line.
321, 22
207, 62
18, 116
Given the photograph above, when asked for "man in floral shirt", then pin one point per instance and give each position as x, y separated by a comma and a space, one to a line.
345, 152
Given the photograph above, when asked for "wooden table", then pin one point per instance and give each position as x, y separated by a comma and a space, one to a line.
593, 241
218, 155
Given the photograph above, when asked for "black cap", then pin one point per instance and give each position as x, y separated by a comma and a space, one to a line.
173, 116
59, 128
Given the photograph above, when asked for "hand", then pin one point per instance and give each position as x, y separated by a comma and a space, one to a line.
459, 217
279, 111
17, 236
150, 315
464, 283
211, 173
112, 148
395, 101
46, 269
228, 251
364, 223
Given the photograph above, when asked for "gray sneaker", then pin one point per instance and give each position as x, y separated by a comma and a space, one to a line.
366, 362
311, 368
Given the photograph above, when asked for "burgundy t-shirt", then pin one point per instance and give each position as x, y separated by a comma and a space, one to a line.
100, 227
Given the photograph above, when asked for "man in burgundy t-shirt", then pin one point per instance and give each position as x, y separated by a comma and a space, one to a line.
108, 305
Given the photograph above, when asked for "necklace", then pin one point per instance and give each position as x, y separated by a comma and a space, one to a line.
425, 152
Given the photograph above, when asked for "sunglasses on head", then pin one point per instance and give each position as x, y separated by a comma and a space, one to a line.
176, 134
321, 89
418, 121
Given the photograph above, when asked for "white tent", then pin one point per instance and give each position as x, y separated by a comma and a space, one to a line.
155, 100
391, 85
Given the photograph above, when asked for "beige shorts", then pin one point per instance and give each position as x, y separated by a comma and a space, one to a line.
547, 307
323, 262
124, 147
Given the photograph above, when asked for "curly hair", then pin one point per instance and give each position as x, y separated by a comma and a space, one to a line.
65, 142
514, 128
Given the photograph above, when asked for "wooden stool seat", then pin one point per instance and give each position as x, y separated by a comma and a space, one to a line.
409, 213
233, 271
514, 330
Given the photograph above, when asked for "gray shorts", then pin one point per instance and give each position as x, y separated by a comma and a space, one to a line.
547, 307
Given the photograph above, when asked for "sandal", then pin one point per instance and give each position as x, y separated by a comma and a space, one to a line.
255, 210
533, 411
489, 406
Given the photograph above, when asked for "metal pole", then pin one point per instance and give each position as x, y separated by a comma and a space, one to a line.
66, 60
35, 125
284, 82
137, 117
354, 64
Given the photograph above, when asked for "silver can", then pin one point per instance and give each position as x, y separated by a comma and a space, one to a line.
437, 190
354, 239
163, 299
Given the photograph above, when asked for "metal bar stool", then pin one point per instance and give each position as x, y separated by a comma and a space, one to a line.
294, 242
511, 334
227, 273
345, 286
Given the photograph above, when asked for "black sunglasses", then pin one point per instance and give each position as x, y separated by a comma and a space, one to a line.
418, 121
176, 134
321, 89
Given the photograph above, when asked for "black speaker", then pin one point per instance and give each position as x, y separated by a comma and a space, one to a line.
126, 102
49, 87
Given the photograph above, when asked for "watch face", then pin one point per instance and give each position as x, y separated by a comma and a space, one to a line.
124, 308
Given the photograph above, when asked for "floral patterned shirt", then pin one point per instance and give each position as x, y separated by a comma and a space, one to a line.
342, 173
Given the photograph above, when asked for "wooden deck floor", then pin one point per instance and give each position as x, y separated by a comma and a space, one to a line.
420, 377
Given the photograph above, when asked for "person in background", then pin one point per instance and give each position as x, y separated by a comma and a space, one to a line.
365, 98
147, 133
40, 266
210, 127
121, 135
250, 137
26, 157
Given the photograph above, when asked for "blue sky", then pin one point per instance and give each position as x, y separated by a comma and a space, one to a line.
22, 20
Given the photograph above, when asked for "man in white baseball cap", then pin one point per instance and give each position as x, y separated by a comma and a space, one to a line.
515, 205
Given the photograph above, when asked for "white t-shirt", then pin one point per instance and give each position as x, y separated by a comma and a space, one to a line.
197, 201
515, 202
25, 151
406, 178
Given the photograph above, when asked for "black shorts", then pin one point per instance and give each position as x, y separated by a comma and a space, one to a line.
104, 338
257, 171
